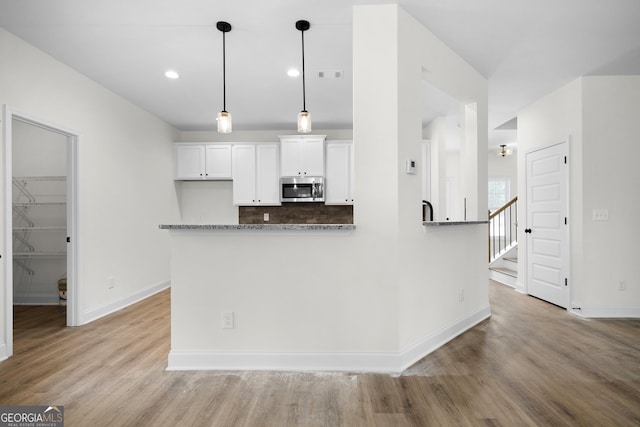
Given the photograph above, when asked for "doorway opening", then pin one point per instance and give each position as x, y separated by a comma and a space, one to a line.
40, 223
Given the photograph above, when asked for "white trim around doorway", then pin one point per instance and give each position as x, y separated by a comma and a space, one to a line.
73, 247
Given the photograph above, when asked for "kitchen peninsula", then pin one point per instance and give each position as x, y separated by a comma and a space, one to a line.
314, 296
375, 295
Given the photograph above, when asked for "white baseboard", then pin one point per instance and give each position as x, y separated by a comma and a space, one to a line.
187, 360
419, 350
98, 312
593, 312
390, 362
503, 278
520, 287
3, 352
35, 299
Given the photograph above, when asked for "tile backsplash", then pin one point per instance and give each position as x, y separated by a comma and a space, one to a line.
297, 213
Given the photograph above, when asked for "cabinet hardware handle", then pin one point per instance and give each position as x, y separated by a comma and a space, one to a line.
527, 230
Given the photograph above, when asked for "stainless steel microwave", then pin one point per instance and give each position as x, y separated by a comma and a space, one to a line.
302, 189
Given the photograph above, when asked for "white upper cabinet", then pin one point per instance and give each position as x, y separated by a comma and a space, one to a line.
218, 161
339, 173
202, 161
302, 155
256, 175
189, 161
244, 175
267, 174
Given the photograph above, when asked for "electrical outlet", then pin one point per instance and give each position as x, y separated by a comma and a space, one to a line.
266, 216
227, 320
622, 285
601, 215
110, 282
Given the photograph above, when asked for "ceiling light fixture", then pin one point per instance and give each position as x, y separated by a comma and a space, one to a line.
224, 118
504, 151
292, 72
172, 74
304, 118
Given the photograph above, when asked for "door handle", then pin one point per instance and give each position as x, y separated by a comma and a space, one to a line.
527, 230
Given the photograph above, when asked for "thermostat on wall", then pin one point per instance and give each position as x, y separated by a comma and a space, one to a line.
411, 166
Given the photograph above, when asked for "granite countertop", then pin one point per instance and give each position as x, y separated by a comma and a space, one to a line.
257, 227
439, 223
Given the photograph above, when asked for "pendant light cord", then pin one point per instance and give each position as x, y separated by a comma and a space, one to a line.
224, 72
304, 94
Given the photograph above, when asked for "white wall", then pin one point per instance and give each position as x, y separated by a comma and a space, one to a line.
206, 202
125, 174
445, 169
430, 278
611, 150
599, 115
436, 133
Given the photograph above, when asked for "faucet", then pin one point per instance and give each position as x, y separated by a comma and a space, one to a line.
424, 216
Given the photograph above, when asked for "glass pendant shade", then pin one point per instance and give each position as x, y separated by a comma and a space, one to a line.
504, 151
224, 122
304, 122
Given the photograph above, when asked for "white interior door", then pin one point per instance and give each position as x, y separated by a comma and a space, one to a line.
547, 228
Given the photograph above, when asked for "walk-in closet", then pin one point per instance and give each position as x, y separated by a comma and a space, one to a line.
39, 197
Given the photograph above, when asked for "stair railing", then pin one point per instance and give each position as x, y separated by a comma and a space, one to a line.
503, 229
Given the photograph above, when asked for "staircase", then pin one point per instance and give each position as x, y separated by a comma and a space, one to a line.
505, 269
503, 244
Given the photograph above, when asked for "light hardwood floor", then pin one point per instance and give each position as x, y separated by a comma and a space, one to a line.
531, 363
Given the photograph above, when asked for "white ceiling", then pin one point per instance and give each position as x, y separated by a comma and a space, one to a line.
525, 48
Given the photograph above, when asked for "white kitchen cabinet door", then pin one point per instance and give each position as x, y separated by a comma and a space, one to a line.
313, 157
267, 175
189, 161
218, 161
290, 158
202, 161
339, 174
244, 175
302, 156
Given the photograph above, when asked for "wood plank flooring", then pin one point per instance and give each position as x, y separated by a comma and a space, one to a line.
531, 363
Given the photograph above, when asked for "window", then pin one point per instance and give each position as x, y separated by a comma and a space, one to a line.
499, 192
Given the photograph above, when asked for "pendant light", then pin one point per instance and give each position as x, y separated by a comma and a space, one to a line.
304, 118
504, 151
224, 117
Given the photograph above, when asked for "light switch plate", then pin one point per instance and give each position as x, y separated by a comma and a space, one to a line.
411, 167
601, 215
227, 320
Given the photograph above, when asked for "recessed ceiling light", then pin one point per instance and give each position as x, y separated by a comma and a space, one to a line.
172, 74
292, 72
